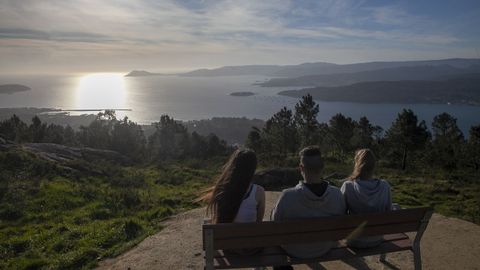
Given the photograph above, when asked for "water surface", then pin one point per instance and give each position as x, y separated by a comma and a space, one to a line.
193, 98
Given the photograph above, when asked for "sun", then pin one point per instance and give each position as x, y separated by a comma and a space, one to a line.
100, 91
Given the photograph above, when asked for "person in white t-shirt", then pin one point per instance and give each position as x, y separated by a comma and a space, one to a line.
234, 198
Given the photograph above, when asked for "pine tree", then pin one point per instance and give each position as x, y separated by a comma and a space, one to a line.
447, 142
473, 153
14, 129
280, 135
406, 136
306, 112
37, 130
128, 139
340, 133
366, 135
170, 139
254, 140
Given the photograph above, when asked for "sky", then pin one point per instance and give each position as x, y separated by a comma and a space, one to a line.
52, 36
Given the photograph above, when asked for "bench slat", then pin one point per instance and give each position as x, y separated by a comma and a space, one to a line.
341, 244
300, 237
226, 230
278, 258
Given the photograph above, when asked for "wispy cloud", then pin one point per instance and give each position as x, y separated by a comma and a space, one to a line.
199, 29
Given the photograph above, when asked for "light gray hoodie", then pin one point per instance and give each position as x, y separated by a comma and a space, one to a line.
298, 203
367, 196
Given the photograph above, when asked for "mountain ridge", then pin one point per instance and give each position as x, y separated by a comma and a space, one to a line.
315, 68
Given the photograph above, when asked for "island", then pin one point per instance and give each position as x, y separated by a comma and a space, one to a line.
13, 88
242, 94
141, 73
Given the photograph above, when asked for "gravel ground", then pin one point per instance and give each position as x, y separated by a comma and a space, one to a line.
448, 243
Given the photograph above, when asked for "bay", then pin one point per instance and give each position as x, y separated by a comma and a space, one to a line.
195, 98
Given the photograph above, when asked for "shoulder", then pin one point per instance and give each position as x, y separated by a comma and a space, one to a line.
259, 188
290, 191
334, 190
347, 184
288, 194
384, 182
259, 191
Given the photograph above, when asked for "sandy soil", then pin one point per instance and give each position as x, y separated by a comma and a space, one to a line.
448, 243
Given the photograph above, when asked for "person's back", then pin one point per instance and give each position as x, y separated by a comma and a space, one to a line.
311, 198
365, 194
253, 205
234, 198
301, 202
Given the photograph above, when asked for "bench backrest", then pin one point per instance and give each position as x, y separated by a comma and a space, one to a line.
271, 233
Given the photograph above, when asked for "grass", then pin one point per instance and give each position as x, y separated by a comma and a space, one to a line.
52, 217
449, 194
64, 220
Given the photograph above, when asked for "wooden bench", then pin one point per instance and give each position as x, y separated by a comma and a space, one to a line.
270, 235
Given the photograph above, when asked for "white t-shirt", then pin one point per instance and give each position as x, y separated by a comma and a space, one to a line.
248, 208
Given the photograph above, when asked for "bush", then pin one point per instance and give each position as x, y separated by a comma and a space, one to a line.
101, 214
78, 259
10, 212
31, 263
132, 229
16, 246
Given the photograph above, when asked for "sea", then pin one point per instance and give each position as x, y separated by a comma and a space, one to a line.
145, 99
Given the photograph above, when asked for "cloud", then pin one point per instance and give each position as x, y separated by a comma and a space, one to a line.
199, 29
18, 33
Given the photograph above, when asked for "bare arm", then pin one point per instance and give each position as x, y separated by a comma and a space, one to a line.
260, 197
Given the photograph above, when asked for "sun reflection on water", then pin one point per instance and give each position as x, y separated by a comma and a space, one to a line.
101, 91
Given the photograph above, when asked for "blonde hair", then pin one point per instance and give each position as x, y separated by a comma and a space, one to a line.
364, 164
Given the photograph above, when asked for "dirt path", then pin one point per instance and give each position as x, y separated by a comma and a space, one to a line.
448, 243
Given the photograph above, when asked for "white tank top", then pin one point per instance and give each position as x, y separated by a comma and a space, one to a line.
248, 208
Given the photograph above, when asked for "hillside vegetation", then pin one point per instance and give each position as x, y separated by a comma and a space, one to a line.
71, 197
68, 215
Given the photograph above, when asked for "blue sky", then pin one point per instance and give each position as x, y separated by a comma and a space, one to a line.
120, 35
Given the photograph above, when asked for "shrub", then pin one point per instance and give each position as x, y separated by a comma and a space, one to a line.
132, 229
10, 212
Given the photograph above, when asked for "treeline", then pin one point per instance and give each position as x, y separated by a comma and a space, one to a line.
170, 139
406, 144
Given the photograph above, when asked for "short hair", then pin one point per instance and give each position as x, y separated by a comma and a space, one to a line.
311, 159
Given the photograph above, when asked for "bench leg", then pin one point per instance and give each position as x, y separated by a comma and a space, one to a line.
208, 238
383, 257
417, 258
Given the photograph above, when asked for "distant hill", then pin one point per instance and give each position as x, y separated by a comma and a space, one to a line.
319, 68
265, 70
13, 88
327, 68
141, 73
462, 89
387, 74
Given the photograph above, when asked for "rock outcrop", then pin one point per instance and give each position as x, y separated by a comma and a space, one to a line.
63, 154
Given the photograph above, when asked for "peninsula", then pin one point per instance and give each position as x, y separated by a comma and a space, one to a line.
463, 90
